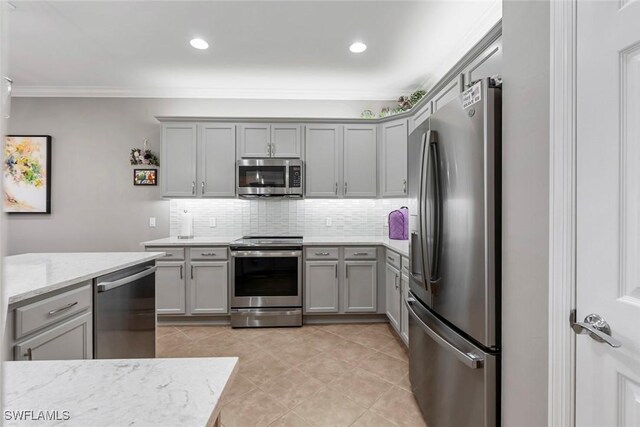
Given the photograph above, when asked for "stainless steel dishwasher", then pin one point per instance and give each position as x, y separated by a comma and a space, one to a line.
125, 313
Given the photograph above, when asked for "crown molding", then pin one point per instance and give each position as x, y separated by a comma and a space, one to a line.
208, 93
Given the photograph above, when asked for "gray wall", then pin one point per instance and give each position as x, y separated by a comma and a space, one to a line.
95, 206
525, 212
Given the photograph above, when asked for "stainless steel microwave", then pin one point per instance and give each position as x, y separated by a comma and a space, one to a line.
269, 177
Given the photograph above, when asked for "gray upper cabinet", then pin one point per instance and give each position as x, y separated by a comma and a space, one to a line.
394, 158
449, 92
171, 288
259, 140
322, 165
216, 160
361, 287
360, 161
179, 146
209, 284
420, 116
321, 287
487, 64
70, 340
254, 140
285, 140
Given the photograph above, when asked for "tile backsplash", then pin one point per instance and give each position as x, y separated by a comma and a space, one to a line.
236, 217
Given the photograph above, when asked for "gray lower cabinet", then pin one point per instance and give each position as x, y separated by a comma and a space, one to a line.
392, 292
209, 287
70, 340
361, 286
322, 165
360, 161
394, 159
178, 156
404, 314
171, 287
321, 288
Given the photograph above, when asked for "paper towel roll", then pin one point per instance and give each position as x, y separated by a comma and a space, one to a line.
186, 226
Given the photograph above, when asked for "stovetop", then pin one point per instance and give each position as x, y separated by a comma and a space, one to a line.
268, 241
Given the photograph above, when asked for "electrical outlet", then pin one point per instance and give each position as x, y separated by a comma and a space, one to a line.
152, 222
328, 222
212, 222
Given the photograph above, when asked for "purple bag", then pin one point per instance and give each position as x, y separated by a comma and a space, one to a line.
399, 224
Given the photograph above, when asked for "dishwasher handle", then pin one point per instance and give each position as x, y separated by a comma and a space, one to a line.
107, 286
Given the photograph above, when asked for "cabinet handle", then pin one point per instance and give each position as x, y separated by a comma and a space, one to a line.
336, 188
193, 188
203, 188
395, 281
273, 149
181, 275
346, 272
323, 253
268, 150
360, 254
66, 307
208, 254
345, 187
192, 271
390, 259
404, 186
336, 270
29, 354
168, 255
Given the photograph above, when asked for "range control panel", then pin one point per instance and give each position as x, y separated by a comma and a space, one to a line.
295, 176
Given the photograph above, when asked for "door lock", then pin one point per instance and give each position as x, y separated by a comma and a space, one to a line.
596, 327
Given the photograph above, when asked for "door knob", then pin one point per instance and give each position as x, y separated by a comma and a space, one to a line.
597, 328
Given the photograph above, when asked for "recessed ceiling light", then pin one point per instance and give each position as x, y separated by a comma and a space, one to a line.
358, 47
199, 44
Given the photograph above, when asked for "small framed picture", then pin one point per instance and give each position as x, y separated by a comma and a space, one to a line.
145, 177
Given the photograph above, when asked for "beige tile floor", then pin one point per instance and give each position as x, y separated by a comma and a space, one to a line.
333, 375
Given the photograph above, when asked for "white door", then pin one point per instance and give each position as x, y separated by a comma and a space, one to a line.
608, 210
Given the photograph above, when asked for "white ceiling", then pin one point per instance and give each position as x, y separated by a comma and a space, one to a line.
258, 49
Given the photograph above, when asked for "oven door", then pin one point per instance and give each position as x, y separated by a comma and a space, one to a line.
266, 278
257, 177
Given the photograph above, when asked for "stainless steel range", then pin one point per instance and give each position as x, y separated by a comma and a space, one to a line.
266, 281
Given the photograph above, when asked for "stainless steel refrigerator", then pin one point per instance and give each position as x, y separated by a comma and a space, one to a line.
454, 298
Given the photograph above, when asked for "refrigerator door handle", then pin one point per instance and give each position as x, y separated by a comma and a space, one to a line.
470, 360
422, 203
437, 220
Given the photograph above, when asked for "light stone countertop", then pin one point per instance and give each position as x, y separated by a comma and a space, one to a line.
119, 392
400, 246
29, 275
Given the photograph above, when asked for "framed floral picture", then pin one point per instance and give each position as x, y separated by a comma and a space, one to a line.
27, 174
145, 177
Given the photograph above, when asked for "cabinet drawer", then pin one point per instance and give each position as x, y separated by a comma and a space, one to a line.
171, 254
393, 258
38, 315
208, 253
322, 253
360, 253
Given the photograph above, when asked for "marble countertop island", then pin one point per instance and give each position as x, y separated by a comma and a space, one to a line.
29, 275
116, 392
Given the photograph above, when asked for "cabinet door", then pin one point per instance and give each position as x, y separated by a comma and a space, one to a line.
421, 116
392, 282
361, 287
360, 161
178, 159
70, 340
285, 140
394, 158
321, 287
404, 314
322, 165
449, 92
254, 140
170, 288
487, 64
217, 160
209, 285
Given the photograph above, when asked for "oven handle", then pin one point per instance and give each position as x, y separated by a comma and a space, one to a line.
266, 254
